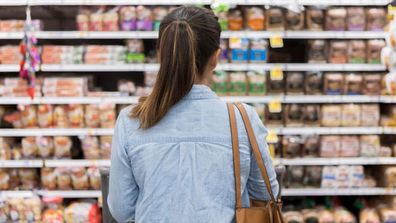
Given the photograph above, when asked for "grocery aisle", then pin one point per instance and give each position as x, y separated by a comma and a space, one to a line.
319, 73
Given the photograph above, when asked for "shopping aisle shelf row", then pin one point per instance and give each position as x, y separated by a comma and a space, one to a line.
152, 67
246, 99
286, 192
280, 131
179, 2
225, 34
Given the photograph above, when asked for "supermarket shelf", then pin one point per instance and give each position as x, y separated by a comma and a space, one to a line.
16, 194
53, 132
225, 34
71, 193
98, 67
315, 161
9, 68
77, 163
68, 100
179, 2
330, 130
338, 192
21, 163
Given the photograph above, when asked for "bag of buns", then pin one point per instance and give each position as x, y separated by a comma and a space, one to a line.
79, 178
255, 19
92, 115
94, 177
315, 18
334, 84
29, 178
374, 48
331, 115
294, 20
107, 115
353, 84
90, 147
370, 115
63, 145
350, 115
32, 209
48, 178
369, 215
356, 18
5, 149
330, 146
45, 146
350, 146
372, 84
317, 51
45, 116
76, 116
63, 178
60, 117
28, 115
369, 145
29, 147
338, 51
4, 179
336, 19
275, 19
376, 19
357, 51
105, 147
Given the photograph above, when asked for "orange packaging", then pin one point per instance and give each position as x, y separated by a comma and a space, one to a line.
255, 18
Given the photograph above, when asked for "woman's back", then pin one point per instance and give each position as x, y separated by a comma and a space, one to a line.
181, 169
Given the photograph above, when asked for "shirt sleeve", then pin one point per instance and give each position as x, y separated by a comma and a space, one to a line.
123, 190
255, 185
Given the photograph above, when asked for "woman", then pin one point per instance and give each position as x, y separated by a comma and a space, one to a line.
171, 156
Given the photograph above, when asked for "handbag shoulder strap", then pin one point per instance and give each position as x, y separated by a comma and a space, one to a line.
255, 148
235, 153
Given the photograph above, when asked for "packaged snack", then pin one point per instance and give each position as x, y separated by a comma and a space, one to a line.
311, 146
329, 180
292, 147
275, 19
356, 19
29, 147
92, 116
350, 115
107, 115
63, 178
135, 52
334, 84
238, 83
79, 178
4, 180
28, 178
372, 84
105, 147
350, 146
336, 19
239, 48
94, 177
374, 48
82, 212
90, 147
258, 51
144, 18
110, 20
60, 117
224, 55
295, 83
76, 116
330, 146
257, 83
255, 19
32, 209
370, 115
357, 51
128, 18
369, 145
63, 145
48, 178
353, 84
220, 83
369, 215
317, 51
235, 19
28, 115
313, 83
338, 51
294, 115
376, 19
311, 115
315, 18
294, 20
5, 149
45, 146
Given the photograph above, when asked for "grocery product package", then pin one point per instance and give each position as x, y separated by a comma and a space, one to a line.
294, 20
336, 19
255, 18
257, 83
315, 18
275, 19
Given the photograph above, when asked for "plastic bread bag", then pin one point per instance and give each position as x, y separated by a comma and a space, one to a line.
295, 83
376, 19
353, 84
82, 19
63, 178
356, 18
292, 147
317, 51
238, 83
60, 117
255, 18
313, 176
257, 83
370, 115
16, 209
330, 146
338, 51
79, 178
311, 115
374, 48
82, 212
369, 145
159, 14
105, 147
235, 19
144, 18
107, 115
334, 84
239, 50
313, 83
294, 20
311, 146
258, 51
28, 115
94, 177
341, 215
32, 209
53, 212
111, 20
369, 215
350, 115
128, 18
5, 149
29, 178
90, 147
293, 216
63, 145
220, 83
329, 180
357, 51
315, 18
294, 115
336, 19
45, 116
4, 179
76, 116
48, 178
275, 19
350, 146
29, 147
92, 116
372, 84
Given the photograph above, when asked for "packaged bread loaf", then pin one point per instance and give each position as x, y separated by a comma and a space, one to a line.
159, 14
235, 19
220, 83
315, 18
257, 83
276, 85
350, 115
374, 48
45, 116
63, 145
293, 216
317, 51
275, 19
255, 19
338, 51
32, 209
372, 84
258, 51
90, 147
144, 18
92, 116
311, 146
356, 18
128, 18
370, 115
238, 83
357, 51
369, 145
294, 20
5, 149
292, 147
107, 115
336, 19
63, 178
110, 20
343, 176
48, 178
294, 115
295, 83
313, 176
330, 146
28, 115
334, 84
273, 118
350, 146
79, 178
105, 147
60, 117
353, 84
311, 115
29, 147
4, 180
94, 178
369, 215
329, 179
313, 83
376, 19
295, 177
28, 178
76, 116
331, 115
387, 215
45, 146
344, 216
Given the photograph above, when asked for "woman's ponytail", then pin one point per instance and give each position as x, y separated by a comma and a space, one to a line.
179, 66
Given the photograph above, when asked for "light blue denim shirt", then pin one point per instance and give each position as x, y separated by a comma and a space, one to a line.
181, 169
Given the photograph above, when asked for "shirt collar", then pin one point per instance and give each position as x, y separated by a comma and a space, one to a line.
199, 91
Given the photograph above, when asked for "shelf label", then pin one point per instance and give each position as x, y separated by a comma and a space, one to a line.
276, 73
276, 41
275, 106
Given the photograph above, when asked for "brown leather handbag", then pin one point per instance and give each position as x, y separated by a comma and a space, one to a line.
259, 211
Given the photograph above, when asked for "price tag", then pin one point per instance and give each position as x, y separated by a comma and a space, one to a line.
235, 42
272, 137
276, 41
276, 73
275, 106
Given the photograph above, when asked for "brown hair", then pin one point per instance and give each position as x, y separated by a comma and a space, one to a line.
188, 37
